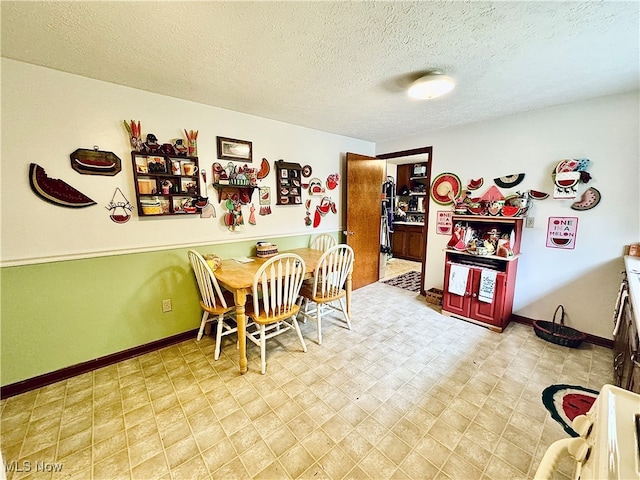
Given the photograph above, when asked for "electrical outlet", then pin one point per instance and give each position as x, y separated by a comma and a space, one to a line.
529, 222
166, 305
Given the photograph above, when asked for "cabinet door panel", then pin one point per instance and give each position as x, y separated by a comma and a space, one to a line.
398, 241
415, 244
488, 312
457, 304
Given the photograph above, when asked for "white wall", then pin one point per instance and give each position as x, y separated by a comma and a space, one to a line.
47, 114
585, 279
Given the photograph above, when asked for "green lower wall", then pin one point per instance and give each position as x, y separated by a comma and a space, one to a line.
56, 315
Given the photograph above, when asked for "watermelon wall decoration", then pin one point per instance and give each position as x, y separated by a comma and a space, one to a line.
56, 191
95, 162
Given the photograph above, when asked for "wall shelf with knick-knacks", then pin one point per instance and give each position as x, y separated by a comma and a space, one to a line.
234, 182
165, 184
289, 183
239, 193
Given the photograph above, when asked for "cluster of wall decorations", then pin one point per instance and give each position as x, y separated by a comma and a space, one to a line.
567, 175
167, 180
151, 145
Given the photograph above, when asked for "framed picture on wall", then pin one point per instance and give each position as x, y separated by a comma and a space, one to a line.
232, 149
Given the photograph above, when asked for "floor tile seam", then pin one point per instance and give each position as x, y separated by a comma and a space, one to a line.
155, 421
335, 445
126, 437
448, 456
502, 437
60, 423
348, 475
299, 443
29, 424
398, 467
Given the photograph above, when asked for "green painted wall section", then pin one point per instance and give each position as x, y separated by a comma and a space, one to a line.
59, 314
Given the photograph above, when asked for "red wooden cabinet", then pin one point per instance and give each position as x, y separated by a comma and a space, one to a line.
497, 313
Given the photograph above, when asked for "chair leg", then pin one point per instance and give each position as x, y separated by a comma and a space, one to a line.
295, 324
319, 321
343, 307
263, 349
205, 316
300, 311
216, 356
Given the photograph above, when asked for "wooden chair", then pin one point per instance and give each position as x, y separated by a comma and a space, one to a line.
216, 305
322, 242
276, 286
327, 286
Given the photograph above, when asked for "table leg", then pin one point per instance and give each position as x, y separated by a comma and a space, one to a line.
240, 298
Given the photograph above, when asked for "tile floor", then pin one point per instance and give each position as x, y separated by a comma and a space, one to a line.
398, 266
408, 393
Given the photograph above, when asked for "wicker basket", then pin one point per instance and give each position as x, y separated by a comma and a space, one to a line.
267, 250
434, 296
557, 333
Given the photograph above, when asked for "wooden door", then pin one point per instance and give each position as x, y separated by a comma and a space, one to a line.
365, 176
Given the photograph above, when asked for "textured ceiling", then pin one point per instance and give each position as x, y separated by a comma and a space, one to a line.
340, 67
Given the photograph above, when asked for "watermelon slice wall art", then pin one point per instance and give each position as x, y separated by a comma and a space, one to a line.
56, 191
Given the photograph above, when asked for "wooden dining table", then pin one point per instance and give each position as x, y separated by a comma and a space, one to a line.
237, 277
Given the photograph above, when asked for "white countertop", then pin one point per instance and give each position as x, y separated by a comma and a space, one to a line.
632, 266
419, 224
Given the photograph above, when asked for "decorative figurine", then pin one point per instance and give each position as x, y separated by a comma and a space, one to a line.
233, 217
134, 134
252, 215
192, 146
180, 148
151, 145
168, 149
166, 187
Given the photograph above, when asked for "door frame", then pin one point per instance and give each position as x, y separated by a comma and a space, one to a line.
425, 226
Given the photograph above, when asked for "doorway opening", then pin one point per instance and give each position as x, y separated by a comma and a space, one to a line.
410, 219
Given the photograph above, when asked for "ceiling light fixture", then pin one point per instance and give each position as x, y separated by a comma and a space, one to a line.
432, 85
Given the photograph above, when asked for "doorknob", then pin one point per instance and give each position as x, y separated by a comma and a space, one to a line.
347, 232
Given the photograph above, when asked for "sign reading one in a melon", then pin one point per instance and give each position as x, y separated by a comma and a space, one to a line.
561, 232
